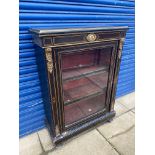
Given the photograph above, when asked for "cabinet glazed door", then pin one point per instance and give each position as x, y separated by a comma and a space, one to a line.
84, 82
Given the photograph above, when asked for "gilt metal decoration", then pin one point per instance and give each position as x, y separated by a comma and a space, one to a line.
49, 59
91, 37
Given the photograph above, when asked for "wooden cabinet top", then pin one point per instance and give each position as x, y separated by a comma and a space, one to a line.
56, 37
56, 31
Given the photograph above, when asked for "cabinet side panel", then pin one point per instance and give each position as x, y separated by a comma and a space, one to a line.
42, 69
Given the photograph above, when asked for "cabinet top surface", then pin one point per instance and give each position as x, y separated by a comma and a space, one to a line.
45, 31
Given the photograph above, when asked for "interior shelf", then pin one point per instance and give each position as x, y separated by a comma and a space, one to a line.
76, 73
86, 87
84, 108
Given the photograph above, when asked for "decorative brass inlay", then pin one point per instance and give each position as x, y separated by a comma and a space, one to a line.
57, 130
49, 59
53, 99
112, 104
91, 37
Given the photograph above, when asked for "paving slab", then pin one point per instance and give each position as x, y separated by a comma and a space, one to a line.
118, 125
91, 143
128, 100
45, 139
125, 143
119, 108
30, 145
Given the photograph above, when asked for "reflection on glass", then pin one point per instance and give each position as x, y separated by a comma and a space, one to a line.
84, 77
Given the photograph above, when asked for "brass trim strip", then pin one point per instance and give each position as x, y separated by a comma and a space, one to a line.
120, 47
81, 43
117, 68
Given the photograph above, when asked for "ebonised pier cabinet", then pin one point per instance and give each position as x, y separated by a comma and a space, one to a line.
78, 70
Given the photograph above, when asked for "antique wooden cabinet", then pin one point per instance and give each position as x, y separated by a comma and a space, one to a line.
78, 71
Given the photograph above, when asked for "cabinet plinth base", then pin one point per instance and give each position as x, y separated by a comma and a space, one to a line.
72, 132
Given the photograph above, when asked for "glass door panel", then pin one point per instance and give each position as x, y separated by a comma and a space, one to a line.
84, 78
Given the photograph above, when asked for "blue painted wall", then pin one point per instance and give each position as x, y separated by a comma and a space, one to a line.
68, 13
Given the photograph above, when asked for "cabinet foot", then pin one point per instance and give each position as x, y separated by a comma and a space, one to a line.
110, 120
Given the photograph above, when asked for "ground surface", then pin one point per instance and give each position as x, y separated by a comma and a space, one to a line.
115, 138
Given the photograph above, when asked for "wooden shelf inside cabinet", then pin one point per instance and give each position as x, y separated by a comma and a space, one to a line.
83, 87
77, 73
84, 108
